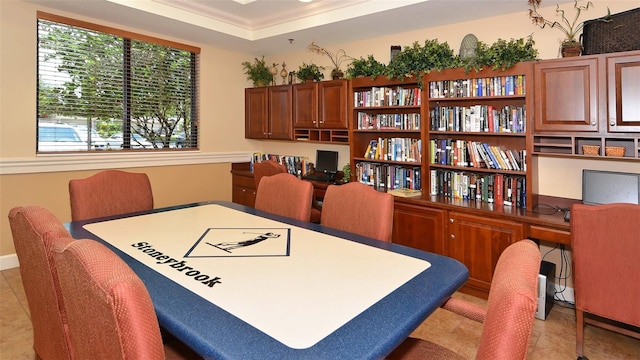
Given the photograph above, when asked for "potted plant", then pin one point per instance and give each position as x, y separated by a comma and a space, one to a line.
258, 72
336, 58
501, 54
418, 59
310, 72
365, 67
570, 27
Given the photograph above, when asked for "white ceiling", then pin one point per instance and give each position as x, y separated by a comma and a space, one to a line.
264, 27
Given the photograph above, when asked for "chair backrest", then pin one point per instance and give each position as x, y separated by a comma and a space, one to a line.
512, 303
109, 192
35, 231
605, 241
266, 168
286, 195
358, 208
109, 311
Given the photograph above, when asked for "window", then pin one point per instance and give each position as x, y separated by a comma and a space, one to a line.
107, 89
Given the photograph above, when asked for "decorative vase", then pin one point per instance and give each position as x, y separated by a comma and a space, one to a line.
571, 49
337, 74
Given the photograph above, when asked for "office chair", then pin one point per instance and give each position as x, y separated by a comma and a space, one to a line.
508, 318
606, 271
357, 208
269, 168
109, 192
286, 195
110, 314
35, 230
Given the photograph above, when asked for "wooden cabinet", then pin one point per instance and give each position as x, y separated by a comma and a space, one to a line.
419, 227
268, 113
588, 106
243, 185
320, 111
623, 81
566, 95
477, 242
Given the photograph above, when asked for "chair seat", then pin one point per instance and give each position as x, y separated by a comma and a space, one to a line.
412, 348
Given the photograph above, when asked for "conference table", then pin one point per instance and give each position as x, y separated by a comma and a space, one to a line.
233, 282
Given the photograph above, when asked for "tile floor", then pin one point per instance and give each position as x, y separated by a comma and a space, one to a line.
552, 339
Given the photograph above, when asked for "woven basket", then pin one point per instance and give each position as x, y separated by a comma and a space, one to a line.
614, 150
591, 149
619, 33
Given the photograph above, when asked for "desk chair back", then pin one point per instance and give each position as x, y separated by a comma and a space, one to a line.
606, 243
109, 310
286, 195
508, 317
109, 192
266, 168
35, 231
357, 208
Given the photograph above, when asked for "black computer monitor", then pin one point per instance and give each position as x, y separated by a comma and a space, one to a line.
605, 187
326, 161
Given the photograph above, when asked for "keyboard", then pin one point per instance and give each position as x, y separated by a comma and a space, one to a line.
324, 178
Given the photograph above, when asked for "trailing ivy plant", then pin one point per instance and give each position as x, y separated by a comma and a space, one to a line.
501, 54
310, 71
366, 67
418, 59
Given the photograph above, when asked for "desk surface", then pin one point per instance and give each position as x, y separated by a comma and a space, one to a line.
358, 301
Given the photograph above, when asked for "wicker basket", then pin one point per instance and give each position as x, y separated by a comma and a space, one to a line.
614, 150
591, 149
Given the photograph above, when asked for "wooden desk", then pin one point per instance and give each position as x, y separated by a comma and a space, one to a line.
386, 289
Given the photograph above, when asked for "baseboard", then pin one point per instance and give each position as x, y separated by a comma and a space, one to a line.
9, 262
566, 294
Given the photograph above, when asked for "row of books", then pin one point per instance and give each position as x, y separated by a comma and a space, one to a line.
395, 149
489, 188
388, 121
467, 153
479, 118
388, 96
296, 165
385, 177
492, 86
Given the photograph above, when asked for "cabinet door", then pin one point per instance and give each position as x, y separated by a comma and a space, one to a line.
280, 110
244, 190
305, 105
478, 242
256, 116
333, 104
419, 227
623, 79
565, 95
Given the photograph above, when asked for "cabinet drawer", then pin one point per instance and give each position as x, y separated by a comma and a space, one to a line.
244, 181
551, 235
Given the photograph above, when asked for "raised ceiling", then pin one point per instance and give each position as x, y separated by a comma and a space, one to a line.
264, 27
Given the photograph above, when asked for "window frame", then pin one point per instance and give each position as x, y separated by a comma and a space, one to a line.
128, 37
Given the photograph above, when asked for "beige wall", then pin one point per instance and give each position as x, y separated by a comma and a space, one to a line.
44, 179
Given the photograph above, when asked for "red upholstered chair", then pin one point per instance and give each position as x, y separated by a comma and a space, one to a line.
109, 192
286, 195
358, 208
109, 310
269, 168
606, 270
35, 230
508, 318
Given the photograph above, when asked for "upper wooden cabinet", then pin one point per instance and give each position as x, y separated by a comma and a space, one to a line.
268, 113
320, 105
566, 95
588, 106
623, 80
